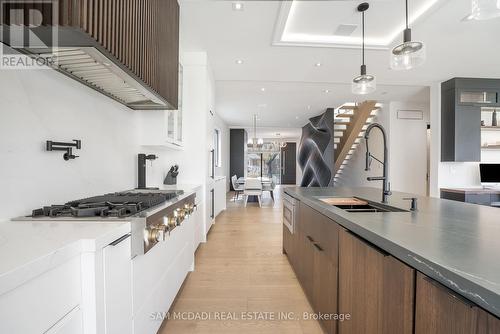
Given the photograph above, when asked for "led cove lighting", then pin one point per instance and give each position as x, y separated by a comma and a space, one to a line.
382, 42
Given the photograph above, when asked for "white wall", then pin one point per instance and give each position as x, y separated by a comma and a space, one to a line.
408, 148
36, 106
354, 174
407, 144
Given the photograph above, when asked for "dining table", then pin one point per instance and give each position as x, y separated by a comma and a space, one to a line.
264, 180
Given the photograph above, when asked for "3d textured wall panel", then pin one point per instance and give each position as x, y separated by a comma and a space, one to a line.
316, 151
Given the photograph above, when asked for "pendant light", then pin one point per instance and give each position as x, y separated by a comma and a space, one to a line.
364, 83
409, 54
484, 10
255, 142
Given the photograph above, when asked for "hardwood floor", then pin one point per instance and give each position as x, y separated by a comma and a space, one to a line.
239, 271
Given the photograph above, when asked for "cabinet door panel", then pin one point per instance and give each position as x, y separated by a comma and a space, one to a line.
374, 288
487, 323
306, 266
360, 285
288, 243
325, 288
440, 311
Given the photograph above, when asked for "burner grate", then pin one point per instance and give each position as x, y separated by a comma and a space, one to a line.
118, 205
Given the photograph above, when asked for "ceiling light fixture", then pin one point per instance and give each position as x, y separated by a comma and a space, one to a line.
409, 54
317, 64
255, 142
239, 61
364, 83
484, 10
262, 89
326, 91
237, 6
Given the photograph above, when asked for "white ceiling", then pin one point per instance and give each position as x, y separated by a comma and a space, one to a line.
289, 74
290, 104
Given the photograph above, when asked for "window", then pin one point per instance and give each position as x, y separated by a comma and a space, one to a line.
217, 148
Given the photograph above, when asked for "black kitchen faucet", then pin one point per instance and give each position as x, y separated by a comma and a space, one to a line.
386, 186
141, 169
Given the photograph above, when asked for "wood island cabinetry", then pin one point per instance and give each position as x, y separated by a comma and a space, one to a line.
344, 275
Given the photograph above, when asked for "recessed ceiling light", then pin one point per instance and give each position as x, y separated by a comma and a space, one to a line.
239, 61
263, 89
308, 107
296, 117
326, 91
238, 6
318, 64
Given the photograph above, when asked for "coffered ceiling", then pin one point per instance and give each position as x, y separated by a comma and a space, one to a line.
245, 55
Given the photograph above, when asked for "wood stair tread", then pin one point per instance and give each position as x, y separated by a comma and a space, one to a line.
344, 115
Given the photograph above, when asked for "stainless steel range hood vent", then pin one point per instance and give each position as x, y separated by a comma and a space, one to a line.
92, 68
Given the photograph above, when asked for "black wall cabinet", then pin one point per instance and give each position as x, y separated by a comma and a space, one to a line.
461, 102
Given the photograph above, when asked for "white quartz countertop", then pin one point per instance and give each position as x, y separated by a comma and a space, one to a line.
28, 249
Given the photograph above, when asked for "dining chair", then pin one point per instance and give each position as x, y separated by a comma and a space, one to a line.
253, 187
269, 187
238, 188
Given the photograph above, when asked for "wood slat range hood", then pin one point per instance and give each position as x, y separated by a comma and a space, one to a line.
125, 49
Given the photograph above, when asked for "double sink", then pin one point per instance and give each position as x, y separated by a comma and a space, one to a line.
358, 205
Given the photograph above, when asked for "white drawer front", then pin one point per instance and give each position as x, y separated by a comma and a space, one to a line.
72, 323
39, 304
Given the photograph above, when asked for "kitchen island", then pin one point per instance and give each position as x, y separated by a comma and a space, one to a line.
444, 249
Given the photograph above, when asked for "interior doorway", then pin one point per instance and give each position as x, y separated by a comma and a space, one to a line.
289, 163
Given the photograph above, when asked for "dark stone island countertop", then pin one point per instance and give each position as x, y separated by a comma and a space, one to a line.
457, 244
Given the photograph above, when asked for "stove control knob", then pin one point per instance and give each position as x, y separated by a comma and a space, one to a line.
172, 223
155, 234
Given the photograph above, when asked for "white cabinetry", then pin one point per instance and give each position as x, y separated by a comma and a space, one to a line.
158, 276
48, 303
220, 195
118, 286
164, 128
160, 128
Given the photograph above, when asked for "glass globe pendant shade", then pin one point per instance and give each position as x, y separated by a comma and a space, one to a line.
408, 55
364, 83
484, 10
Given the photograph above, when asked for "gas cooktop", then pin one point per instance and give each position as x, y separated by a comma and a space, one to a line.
121, 204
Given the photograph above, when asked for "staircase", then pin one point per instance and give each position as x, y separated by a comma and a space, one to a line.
349, 124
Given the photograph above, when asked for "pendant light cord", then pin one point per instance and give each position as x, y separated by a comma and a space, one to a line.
363, 36
406, 14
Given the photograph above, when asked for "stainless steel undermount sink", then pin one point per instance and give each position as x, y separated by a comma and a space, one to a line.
358, 205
